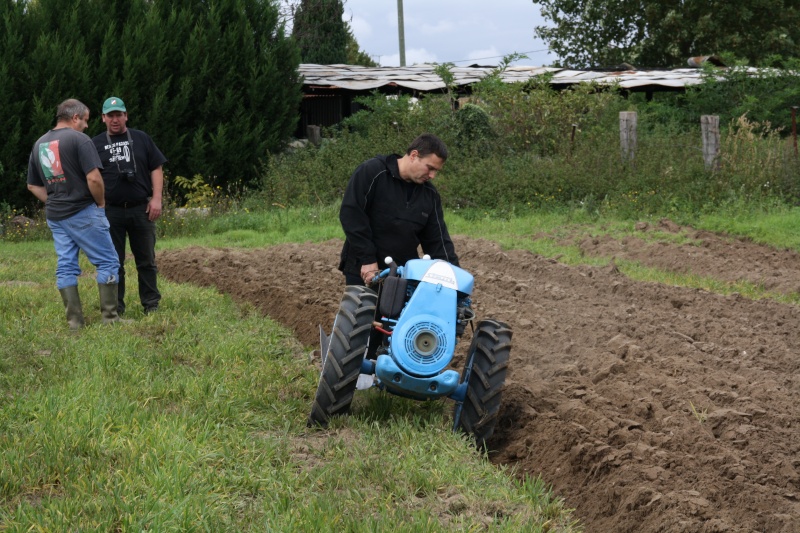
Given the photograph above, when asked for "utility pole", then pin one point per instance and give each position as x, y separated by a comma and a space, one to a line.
401, 33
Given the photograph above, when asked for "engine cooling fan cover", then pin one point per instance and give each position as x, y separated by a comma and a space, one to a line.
426, 348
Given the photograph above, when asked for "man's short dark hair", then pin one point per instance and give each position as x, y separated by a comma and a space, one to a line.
427, 144
69, 108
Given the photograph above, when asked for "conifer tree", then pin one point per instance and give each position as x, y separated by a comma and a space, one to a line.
12, 48
320, 32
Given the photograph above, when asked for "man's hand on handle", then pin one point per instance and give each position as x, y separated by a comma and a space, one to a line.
368, 272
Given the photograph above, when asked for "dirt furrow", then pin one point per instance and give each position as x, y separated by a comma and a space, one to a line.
648, 407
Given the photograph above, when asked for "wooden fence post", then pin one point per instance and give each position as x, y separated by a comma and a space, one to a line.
710, 128
627, 134
314, 134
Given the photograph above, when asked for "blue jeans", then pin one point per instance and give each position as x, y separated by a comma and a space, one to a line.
133, 223
87, 231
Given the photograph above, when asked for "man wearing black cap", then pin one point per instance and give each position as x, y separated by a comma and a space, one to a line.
134, 181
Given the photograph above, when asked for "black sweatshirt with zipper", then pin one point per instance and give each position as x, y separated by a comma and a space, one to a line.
384, 215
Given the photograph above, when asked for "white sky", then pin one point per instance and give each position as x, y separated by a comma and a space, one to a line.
463, 32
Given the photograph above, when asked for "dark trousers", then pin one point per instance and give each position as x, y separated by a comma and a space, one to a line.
133, 223
353, 279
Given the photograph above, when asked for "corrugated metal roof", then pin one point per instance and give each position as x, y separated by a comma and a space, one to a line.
423, 77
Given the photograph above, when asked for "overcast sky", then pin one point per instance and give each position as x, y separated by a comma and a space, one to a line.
457, 31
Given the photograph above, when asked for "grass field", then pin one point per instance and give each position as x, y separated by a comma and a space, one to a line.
194, 418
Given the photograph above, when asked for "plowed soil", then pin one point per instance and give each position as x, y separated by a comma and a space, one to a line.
648, 407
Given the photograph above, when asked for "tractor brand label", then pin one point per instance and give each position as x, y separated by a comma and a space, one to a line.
443, 279
441, 272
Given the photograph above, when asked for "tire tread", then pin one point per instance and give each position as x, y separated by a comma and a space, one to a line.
489, 353
342, 363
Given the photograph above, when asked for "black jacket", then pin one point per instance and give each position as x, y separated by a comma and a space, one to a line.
383, 215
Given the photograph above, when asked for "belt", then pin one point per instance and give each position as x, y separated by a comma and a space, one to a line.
132, 203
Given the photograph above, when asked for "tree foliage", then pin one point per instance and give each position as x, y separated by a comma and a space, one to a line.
320, 32
12, 86
355, 55
214, 82
665, 33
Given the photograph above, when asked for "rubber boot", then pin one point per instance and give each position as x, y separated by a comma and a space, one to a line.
72, 303
108, 302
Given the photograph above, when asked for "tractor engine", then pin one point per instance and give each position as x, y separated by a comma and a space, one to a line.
411, 318
422, 311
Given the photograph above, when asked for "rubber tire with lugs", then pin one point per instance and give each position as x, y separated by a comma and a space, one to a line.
341, 365
489, 353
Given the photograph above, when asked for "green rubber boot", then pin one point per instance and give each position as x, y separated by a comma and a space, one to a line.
72, 303
108, 302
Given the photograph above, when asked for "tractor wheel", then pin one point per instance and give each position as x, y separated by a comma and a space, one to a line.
485, 371
341, 364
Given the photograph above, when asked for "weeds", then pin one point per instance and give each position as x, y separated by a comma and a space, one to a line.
701, 416
16, 227
513, 148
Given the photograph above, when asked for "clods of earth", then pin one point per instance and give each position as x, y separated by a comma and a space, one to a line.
648, 407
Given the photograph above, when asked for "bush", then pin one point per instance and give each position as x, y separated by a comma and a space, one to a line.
764, 96
15, 227
511, 147
535, 117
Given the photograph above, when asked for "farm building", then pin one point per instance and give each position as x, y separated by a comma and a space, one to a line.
329, 90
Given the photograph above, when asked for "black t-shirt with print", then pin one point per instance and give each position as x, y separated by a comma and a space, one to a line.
123, 153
